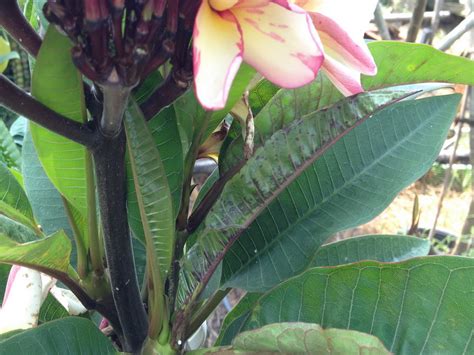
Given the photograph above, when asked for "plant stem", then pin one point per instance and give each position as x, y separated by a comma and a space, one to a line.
416, 20
210, 198
165, 94
188, 173
109, 159
204, 312
115, 102
93, 232
80, 247
13, 21
449, 173
14, 98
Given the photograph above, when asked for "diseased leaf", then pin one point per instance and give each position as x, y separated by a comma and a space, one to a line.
270, 170
340, 190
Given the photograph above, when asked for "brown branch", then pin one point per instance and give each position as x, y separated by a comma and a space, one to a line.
14, 98
174, 86
13, 21
210, 198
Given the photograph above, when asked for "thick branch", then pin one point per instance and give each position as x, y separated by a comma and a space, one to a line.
173, 87
109, 159
14, 98
13, 21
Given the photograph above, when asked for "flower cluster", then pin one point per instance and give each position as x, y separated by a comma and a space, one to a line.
121, 42
287, 41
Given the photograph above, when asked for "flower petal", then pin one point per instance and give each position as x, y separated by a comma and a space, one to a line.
68, 300
217, 55
343, 46
280, 42
221, 5
47, 282
22, 300
347, 80
352, 15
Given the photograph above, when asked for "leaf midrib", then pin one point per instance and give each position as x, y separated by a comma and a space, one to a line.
324, 200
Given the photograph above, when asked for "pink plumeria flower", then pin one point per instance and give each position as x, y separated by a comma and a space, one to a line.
23, 297
25, 293
341, 25
276, 37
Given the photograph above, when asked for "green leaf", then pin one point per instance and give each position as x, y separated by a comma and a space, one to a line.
190, 113
271, 169
261, 94
4, 272
384, 248
16, 231
47, 204
420, 306
152, 189
139, 254
349, 185
51, 309
408, 63
50, 253
302, 338
398, 63
9, 153
236, 318
164, 130
13, 201
9, 56
57, 83
72, 335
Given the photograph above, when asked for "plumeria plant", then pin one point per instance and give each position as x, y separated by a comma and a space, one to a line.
116, 248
